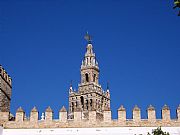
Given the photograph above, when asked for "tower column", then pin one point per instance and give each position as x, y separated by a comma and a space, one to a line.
90, 93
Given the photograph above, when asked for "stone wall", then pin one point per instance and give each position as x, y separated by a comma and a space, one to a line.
5, 90
92, 121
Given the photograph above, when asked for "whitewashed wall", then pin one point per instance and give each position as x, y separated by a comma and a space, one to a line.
90, 131
1, 130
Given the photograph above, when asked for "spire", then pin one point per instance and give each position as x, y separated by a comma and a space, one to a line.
71, 88
90, 58
107, 91
89, 67
89, 48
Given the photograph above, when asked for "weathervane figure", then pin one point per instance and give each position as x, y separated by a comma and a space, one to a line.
88, 38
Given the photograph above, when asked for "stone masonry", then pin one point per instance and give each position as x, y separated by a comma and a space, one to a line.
79, 122
88, 107
5, 90
90, 95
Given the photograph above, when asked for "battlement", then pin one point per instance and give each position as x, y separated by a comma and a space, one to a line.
93, 120
5, 76
5, 90
88, 107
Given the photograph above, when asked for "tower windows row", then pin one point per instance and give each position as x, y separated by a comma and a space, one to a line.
87, 77
84, 104
89, 61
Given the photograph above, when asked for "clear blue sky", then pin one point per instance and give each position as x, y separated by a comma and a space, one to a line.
137, 45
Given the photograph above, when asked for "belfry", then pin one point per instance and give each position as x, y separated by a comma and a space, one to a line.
90, 95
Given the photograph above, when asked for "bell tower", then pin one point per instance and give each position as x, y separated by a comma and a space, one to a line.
89, 68
90, 95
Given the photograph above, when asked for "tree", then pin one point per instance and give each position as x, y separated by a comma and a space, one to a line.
177, 5
158, 131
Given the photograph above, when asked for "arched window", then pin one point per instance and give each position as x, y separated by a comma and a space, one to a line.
94, 78
82, 102
87, 104
72, 107
90, 60
87, 77
91, 102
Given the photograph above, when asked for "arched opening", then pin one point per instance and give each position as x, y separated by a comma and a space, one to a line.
87, 104
94, 78
91, 103
87, 77
72, 107
90, 60
82, 102
76, 104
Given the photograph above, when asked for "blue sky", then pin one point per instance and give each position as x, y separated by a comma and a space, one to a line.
136, 43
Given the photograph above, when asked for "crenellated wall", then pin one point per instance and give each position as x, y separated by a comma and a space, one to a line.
63, 122
5, 90
5, 76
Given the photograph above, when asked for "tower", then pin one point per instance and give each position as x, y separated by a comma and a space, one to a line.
5, 90
90, 95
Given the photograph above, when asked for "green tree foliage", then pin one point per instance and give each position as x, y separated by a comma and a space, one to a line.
158, 131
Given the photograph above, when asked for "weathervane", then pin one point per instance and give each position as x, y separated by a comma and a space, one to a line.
88, 38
